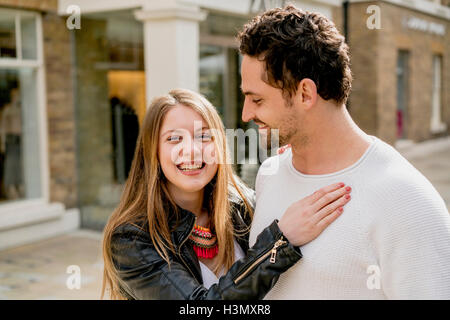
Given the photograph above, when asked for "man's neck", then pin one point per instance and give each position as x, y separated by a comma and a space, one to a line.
333, 143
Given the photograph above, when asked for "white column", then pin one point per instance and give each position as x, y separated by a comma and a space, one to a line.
171, 46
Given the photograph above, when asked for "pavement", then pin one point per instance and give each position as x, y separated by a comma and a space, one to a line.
432, 158
51, 269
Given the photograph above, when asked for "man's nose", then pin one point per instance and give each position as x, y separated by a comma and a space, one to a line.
248, 111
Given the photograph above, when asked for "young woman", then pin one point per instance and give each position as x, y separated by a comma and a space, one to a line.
181, 228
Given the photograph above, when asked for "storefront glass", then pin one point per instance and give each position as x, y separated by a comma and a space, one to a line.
28, 36
212, 75
402, 93
8, 45
110, 105
437, 126
20, 161
220, 82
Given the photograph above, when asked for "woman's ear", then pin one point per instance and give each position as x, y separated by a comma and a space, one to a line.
307, 93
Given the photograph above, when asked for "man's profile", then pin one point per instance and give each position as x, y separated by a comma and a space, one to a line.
393, 239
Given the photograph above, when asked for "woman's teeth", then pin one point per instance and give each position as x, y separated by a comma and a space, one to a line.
190, 167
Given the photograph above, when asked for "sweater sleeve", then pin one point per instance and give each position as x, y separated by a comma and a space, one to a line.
413, 242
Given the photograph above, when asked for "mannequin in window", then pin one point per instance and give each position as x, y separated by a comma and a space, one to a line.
10, 136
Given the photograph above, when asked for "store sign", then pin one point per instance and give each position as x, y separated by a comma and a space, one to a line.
263, 5
424, 26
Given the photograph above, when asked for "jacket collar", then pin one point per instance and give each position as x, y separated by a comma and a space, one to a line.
183, 226
187, 219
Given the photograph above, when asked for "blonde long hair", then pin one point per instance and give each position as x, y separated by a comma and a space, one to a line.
145, 190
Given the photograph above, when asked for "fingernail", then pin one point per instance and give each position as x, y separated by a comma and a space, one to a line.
341, 209
348, 189
347, 196
341, 185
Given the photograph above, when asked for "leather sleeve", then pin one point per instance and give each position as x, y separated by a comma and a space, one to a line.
145, 275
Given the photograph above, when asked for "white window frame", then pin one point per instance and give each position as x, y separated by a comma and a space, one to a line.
436, 124
12, 207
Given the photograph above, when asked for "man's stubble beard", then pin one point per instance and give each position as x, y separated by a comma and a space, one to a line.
275, 138
288, 131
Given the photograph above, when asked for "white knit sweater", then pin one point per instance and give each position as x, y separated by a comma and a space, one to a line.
391, 242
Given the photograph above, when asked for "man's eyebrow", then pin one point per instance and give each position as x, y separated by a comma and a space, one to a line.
247, 93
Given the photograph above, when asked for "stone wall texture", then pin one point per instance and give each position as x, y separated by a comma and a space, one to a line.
60, 110
43, 5
373, 102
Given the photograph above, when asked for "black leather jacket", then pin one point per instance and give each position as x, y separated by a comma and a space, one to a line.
145, 275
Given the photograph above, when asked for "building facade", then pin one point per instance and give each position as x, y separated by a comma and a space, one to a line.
76, 78
401, 68
38, 189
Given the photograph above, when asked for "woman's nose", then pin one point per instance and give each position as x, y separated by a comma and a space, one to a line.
192, 150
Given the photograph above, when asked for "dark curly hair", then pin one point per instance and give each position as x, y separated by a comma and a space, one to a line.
296, 44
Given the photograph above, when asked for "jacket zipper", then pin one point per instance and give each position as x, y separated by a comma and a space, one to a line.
181, 245
272, 252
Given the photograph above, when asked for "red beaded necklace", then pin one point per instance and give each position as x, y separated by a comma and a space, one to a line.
204, 242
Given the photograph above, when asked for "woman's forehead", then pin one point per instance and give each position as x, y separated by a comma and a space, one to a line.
183, 117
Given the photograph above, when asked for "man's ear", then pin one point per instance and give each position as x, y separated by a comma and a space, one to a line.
307, 93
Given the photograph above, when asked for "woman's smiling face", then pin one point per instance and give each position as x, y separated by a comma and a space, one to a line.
186, 149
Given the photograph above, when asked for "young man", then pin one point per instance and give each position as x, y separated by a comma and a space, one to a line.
393, 239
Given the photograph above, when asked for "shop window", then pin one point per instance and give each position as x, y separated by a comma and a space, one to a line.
125, 131
20, 143
402, 93
212, 74
8, 48
28, 37
18, 36
436, 108
110, 105
127, 101
220, 83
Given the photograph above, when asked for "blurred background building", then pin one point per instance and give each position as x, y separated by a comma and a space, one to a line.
72, 96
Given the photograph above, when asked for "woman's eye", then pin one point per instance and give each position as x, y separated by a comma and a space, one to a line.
204, 137
174, 138
257, 101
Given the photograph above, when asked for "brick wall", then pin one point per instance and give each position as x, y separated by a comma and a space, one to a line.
446, 78
43, 5
373, 101
363, 102
60, 110
386, 70
338, 18
95, 154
